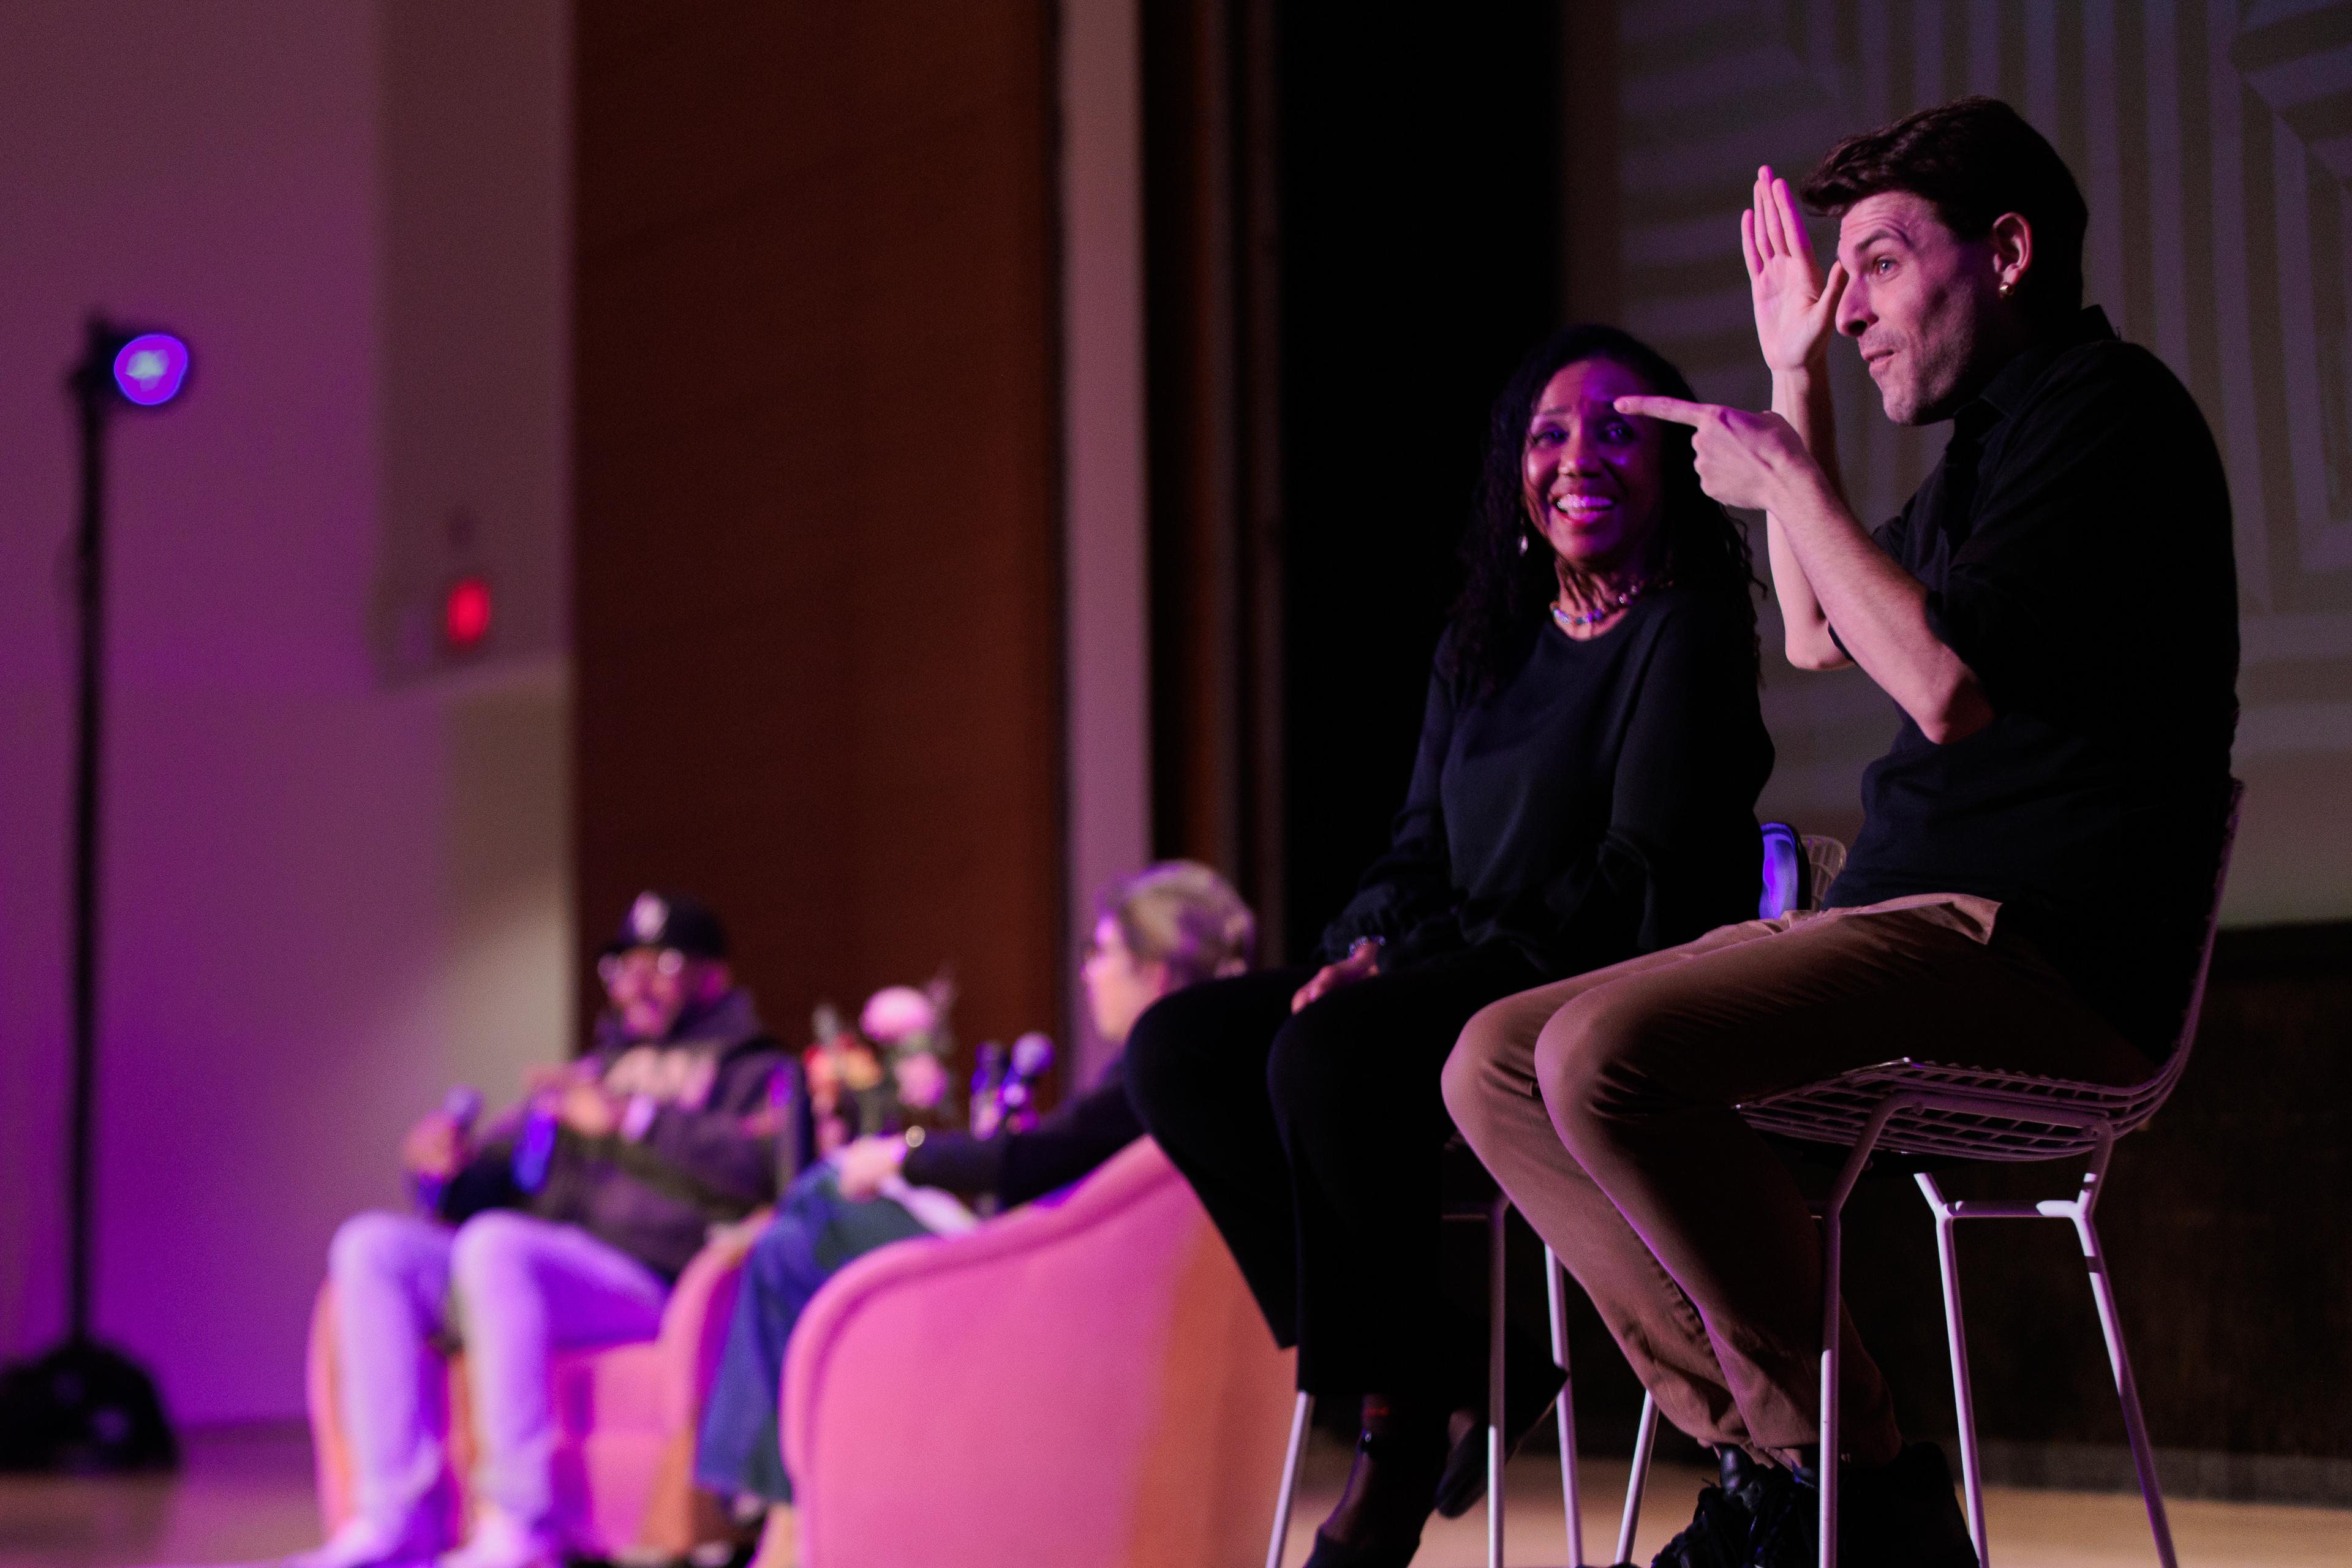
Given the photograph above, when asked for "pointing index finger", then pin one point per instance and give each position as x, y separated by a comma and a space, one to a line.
1680, 410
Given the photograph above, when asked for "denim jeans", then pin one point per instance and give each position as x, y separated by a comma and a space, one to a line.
817, 1230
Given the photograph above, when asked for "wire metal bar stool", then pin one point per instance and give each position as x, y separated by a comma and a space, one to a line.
1493, 1212
1927, 1110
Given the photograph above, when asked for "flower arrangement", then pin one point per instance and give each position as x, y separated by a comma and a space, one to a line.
886, 1074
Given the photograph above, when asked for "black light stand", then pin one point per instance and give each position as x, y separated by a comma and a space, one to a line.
84, 1407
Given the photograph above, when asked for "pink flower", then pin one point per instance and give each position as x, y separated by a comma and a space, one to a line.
897, 1013
922, 1081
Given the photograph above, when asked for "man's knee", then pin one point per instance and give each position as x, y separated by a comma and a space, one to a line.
373, 1246
1472, 1076
1589, 1058
491, 1244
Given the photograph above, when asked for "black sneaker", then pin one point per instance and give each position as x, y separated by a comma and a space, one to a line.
1719, 1533
1788, 1522
1902, 1514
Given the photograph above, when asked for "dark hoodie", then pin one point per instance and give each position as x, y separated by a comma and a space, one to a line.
703, 1157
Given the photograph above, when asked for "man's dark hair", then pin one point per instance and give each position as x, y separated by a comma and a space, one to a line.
1975, 159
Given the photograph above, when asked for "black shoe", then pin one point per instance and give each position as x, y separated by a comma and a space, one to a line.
1330, 1554
1389, 1482
1720, 1533
1901, 1514
1741, 1477
1788, 1522
1717, 1536
1526, 1400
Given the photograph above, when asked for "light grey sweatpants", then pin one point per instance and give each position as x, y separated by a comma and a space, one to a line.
524, 1288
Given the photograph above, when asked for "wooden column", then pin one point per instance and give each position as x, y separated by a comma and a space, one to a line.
816, 587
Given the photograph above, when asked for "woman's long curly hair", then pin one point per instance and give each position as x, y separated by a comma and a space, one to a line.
1508, 576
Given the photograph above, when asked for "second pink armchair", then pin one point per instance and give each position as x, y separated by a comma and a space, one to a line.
1083, 1384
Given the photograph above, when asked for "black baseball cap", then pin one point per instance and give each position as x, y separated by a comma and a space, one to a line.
670, 919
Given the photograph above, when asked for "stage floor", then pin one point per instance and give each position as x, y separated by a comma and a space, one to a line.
246, 1494
2028, 1529
246, 1497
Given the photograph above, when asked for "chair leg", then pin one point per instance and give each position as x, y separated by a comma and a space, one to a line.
1495, 1381
1831, 1279
1572, 1499
2151, 1490
1302, 1417
1956, 1336
1645, 1440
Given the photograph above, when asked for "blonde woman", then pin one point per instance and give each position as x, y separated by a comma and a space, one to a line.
1165, 928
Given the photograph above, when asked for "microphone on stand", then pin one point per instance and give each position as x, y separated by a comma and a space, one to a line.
987, 1083
788, 1099
534, 1151
463, 1106
1033, 1058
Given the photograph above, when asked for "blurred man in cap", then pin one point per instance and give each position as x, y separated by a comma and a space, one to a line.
564, 1225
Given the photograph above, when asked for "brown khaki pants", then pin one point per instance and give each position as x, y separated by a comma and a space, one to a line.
1603, 1106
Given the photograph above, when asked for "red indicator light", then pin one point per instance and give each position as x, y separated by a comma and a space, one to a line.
465, 614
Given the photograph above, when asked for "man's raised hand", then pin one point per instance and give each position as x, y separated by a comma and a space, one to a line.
1796, 307
1744, 460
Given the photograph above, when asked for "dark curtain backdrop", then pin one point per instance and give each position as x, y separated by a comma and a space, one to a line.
1352, 235
1420, 201
1211, 268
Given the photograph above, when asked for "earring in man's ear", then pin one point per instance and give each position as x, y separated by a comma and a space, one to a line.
2007, 289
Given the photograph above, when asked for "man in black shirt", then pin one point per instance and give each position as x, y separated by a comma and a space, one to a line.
2055, 614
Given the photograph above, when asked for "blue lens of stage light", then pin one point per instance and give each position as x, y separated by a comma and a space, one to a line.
151, 368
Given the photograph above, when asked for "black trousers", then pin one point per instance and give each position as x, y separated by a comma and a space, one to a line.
1314, 1140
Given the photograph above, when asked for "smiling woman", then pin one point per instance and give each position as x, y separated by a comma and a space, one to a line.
1593, 482
1584, 791
1616, 499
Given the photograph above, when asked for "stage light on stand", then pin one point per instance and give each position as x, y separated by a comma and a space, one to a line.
85, 1407
149, 369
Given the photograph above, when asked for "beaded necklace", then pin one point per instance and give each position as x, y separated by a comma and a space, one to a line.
1575, 620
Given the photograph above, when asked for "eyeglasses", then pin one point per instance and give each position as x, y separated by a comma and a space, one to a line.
639, 963
1095, 947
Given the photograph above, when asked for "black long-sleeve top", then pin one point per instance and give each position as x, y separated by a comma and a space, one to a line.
1600, 804
1069, 1143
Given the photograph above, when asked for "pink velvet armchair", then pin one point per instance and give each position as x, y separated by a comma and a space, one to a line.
1083, 1383
626, 1414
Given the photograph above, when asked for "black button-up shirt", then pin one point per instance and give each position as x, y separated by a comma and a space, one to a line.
2075, 546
